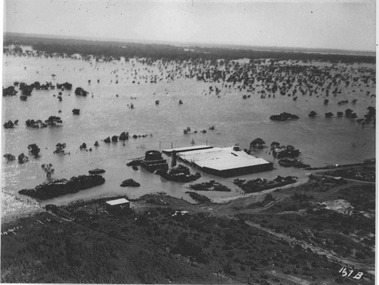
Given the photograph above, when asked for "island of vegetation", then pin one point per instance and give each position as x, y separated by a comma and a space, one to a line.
59, 187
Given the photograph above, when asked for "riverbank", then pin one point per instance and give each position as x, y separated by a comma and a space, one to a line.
13, 208
368, 162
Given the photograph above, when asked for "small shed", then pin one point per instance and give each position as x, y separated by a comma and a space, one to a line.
118, 206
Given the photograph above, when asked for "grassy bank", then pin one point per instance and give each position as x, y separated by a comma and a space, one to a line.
290, 236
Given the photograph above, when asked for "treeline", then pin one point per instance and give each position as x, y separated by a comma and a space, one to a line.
165, 51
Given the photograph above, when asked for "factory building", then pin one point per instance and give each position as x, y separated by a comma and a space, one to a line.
222, 161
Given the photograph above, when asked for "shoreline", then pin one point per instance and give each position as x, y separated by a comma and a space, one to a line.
29, 207
228, 199
339, 166
36, 207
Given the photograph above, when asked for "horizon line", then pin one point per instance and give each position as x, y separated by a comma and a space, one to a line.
214, 44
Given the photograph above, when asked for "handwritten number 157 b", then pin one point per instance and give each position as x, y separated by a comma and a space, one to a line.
347, 273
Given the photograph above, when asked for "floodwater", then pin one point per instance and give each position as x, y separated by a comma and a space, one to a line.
321, 141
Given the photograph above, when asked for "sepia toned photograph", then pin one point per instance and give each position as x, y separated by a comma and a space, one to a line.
188, 142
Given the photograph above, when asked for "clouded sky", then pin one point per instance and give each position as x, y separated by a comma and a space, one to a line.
336, 24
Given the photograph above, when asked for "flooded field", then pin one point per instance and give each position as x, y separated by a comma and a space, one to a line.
115, 85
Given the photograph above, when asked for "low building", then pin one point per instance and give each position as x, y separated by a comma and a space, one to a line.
118, 206
225, 162
154, 161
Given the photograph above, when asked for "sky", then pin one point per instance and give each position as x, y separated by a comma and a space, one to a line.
330, 24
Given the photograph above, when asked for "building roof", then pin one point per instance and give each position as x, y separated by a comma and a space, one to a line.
117, 202
222, 158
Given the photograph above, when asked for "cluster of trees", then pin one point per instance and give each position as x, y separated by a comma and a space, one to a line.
210, 186
53, 121
260, 184
198, 197
60, 187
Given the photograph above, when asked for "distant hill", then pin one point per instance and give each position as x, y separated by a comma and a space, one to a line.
180, 51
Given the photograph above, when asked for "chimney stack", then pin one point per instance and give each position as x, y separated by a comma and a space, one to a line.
173, 159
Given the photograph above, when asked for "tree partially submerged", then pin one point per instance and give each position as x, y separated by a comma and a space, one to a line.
22, 158
9, 157
49, 170
60, 148
34, 150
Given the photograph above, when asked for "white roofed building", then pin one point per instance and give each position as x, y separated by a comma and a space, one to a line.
118, 206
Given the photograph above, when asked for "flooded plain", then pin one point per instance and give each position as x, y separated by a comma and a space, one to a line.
116, 85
